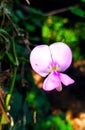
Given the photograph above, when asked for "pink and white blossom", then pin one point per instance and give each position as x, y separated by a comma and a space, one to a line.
51, 61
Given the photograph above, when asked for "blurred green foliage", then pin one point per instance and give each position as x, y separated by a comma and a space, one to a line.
58, 29
55, 123
22, 27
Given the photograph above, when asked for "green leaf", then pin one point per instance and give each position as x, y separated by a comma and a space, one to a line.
5, 33
77, 11
34, 38
29, 27
83, 1
35, 11
11, 58
46, 32
20, 14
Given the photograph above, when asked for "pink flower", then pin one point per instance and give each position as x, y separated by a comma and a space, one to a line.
52, 60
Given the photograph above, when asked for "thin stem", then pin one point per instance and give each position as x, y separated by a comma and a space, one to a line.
11, 88
15, 55
13, 78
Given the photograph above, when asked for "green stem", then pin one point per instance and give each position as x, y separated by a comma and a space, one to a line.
15, 55
11, 88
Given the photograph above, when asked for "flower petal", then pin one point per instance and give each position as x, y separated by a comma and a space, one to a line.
52, 82
66, 80
59, 88
40, 59
61, 54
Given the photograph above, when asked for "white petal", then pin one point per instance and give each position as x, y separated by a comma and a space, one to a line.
61, 54
40, 59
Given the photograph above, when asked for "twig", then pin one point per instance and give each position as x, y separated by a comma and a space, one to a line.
29, 10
